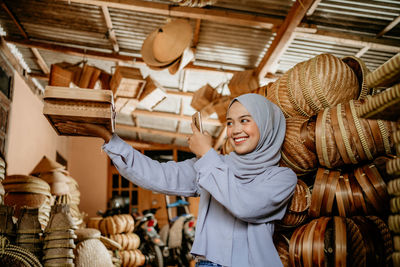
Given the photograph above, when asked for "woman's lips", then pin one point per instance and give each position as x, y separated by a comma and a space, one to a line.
239, 140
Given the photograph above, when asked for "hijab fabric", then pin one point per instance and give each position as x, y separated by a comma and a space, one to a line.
271, 125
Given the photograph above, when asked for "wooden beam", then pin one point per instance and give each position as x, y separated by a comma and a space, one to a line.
40, 61
362, 51
72, 50
14, 19
353, 40
152, 131
283, 36
111, 31
39, 76
196, 33
95, 54
210, 13
313, 7
173, 116
390, 26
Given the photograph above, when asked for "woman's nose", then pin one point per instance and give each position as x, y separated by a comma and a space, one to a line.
237, 128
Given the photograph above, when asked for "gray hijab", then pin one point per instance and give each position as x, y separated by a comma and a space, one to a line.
272, 126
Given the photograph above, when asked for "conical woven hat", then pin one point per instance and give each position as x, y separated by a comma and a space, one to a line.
46, 165
167, 43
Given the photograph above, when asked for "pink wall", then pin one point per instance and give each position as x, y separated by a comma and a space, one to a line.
30, 136
87, 163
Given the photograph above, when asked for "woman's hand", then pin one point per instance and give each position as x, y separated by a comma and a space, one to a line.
199, 143
86, 128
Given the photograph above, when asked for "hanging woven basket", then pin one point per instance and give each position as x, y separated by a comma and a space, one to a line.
313, 85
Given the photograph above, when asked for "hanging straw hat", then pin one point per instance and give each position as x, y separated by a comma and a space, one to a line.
46, 165
167, 43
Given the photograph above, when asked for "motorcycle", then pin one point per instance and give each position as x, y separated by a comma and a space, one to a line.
151, 244
179, 234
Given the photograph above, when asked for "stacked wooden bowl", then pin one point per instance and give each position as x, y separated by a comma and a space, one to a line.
24, 190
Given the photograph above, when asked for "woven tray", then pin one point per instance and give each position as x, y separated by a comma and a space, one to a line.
62, 104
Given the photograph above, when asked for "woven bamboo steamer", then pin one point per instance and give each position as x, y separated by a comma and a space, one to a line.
393, 167
68, 234
313, 85
28, 221
295, 153
60, 219
394, 187
58, 252
394, 223
396, 242
93, 222
140, 258
92, 252
60, 243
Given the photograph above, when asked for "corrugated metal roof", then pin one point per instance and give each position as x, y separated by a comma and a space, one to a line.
223, 46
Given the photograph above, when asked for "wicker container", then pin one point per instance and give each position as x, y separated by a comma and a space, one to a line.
243, 82
313, 85
92, 252
7, 226
152, 95
60, 76
297, 211
11, 255
127, 82
344, 138
282, 246
63, 104
386, 75
203, 96
298, 149
126, 105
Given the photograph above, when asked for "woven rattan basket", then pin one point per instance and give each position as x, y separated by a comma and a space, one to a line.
344, 138
11, 255
298, 146
313, 85
92, 252
386, 75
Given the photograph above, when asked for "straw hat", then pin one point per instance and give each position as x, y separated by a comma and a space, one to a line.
167, 43
46, 165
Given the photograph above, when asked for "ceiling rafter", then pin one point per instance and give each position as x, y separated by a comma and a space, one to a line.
283, 37
111, 32
39, 59
390, 26
228, 17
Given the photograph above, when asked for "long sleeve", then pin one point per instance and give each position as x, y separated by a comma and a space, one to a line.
168, 178
260, 200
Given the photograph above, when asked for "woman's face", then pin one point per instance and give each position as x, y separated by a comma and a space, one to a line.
242, 130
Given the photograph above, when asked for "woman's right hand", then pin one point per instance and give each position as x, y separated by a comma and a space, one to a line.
86, 128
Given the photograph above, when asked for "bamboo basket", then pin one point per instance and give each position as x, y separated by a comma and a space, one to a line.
62, 105
386, 75
92, 252
282, 246
243, 82
344, 138
313, 85
127, 82
152, 95
298, 149
203, 96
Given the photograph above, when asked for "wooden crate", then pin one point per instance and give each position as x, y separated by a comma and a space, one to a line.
243, 82
125, 105
203, 96
63, 104
127, 82
60, 76
153, 94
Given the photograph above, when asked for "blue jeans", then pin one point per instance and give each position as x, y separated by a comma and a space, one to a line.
206, 263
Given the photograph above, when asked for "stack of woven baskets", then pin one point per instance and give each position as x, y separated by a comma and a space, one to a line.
59, 237
119, 228
29, 231
340, 203
2, 176
385, 106
24, 190
61, 183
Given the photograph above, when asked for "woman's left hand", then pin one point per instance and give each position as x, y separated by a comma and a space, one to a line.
199, 143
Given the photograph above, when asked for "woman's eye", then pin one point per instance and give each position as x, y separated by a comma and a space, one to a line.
245, 120
229, 123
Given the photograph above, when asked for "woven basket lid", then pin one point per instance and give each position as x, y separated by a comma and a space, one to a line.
87, 233
46, 165
23, 179
110, 244
92, 252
